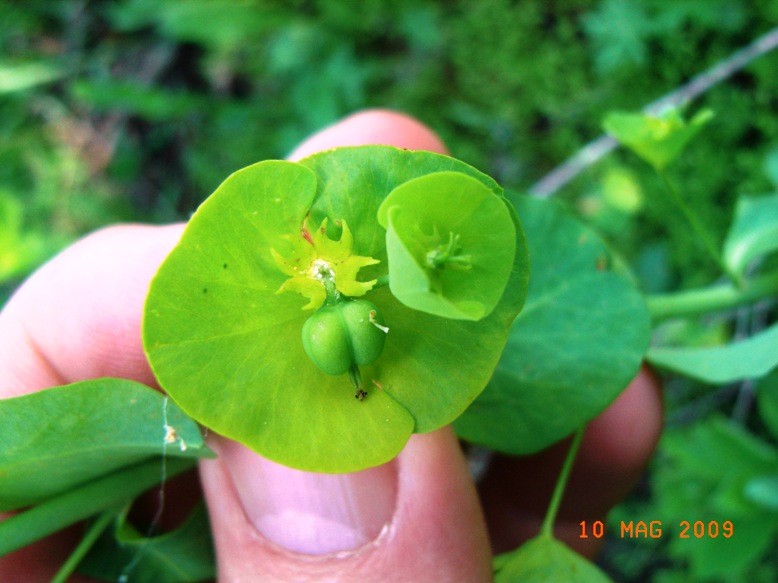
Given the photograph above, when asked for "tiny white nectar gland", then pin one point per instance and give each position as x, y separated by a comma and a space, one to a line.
321, 270
371, 318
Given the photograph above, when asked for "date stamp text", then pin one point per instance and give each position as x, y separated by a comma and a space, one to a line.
655, 529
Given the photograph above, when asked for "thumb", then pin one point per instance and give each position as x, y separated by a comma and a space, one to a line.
416, 518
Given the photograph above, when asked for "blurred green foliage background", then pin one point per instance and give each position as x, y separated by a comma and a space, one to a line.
136, 110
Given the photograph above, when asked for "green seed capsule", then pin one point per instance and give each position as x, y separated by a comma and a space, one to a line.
345, 334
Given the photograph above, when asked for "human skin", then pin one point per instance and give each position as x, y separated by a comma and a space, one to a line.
418, 518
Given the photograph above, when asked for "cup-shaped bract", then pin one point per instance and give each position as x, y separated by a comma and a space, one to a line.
225, 313
451, 242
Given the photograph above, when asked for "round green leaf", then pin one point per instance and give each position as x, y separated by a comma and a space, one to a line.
577, 343
451, 245
544, 559
225, 313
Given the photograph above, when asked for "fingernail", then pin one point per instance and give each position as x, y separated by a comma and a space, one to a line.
308, 512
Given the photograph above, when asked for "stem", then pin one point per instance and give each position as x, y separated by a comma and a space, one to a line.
356, 380
711, 299
333, 295
547, 528
91, 536
699, 229
84, 501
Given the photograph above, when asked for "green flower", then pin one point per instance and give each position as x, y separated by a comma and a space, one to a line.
318, 264
230, 345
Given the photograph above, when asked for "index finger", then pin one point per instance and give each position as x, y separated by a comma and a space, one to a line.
79, 316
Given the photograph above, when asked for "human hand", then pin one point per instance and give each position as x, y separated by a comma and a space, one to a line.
417, 518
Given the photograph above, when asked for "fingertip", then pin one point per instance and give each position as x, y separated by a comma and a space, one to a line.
623, 438
79, 316
372, 126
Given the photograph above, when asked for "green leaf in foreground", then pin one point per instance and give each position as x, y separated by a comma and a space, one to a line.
658, 140
576, 344
546, 560
59, 438
227, 346
750, 358
754, 231
183, 555
451, 244
104, 493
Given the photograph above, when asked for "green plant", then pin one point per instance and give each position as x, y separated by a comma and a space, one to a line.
285, 252
716, 473
414, 266
171, 97
317, 239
